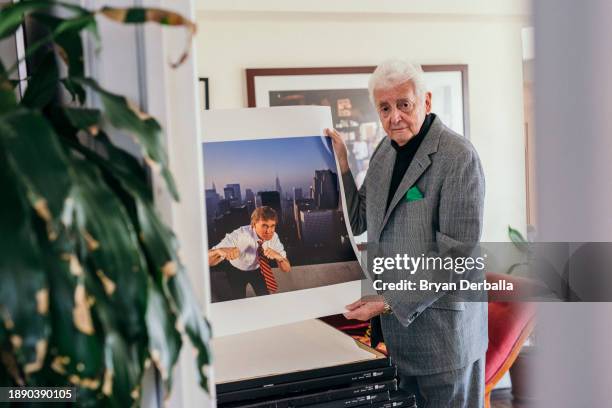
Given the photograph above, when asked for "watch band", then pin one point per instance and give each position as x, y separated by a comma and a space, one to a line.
387, 308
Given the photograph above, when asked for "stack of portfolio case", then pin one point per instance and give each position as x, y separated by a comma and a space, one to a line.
367, 384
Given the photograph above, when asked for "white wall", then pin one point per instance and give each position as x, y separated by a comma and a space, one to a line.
487, 39
431, 7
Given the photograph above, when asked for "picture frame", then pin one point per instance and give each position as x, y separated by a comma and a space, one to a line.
345, 90
203, 82
452, 79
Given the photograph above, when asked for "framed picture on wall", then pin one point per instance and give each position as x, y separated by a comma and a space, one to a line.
345, 90
204, 92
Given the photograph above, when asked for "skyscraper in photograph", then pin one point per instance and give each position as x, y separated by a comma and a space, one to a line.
297, 193
232, 194
317, 227
223, 206
287, 206
236, 189
249, 199
278, 186
249, 195
325, 189
212, 204
304, 204
228, 193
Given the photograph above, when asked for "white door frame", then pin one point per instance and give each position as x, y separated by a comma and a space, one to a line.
172, 97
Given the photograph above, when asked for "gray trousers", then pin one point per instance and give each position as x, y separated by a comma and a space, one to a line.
462, 388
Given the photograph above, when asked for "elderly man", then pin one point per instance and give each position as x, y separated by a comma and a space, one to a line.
422, 196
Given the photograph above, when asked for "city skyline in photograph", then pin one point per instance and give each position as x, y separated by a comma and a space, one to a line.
258, 164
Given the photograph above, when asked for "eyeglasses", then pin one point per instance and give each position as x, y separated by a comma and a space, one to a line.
403, 105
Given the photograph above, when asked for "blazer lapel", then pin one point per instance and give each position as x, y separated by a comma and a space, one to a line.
383, 168
419, 164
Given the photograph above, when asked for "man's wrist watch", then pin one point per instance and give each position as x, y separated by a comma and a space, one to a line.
386, 308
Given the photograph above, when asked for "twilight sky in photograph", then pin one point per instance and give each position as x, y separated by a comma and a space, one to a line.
254, 164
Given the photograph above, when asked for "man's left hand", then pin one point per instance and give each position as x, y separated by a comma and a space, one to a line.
365, 308
272, 254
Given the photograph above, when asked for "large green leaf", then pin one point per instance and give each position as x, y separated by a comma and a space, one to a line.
12, 14
192, 317
77, 92
37, 158
66, 33
24, 292
123, 365
68, 39
83, 118
8, 101
124, 373
160, 243
43, 84
76, 355
84, 20
124, 358
164, 339
113, 248
128, 171
161, 246
5, 377
145, 129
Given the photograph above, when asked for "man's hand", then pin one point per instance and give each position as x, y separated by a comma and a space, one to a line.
365, 308
229, 253
283, 263
272, 254
216, 256
339, 148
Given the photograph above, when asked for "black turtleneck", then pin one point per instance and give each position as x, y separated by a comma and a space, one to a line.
404, 156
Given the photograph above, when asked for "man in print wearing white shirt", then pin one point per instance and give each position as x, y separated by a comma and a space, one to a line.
250, 250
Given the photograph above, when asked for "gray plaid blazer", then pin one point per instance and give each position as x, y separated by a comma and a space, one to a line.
427, 332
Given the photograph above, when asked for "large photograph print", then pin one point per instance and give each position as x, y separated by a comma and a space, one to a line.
283, 192
279, 248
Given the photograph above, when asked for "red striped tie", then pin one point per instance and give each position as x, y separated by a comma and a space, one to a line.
266, 270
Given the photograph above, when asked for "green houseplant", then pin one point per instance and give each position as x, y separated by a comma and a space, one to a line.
92, 290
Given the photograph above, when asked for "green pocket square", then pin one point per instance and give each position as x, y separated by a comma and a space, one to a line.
414, 194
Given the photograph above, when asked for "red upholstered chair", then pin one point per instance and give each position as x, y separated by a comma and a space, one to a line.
510, 323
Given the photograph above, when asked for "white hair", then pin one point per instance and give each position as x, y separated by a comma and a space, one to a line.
394, 72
